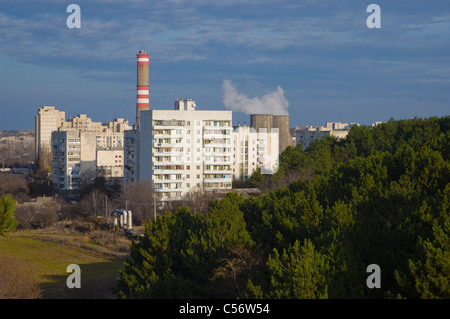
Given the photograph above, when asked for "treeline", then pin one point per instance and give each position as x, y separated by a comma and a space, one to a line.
380, 196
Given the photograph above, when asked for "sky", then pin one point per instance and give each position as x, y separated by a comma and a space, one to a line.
316, 60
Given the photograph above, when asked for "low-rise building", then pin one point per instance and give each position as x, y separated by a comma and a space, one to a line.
305, 135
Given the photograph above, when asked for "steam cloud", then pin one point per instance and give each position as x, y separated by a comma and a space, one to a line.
271, 103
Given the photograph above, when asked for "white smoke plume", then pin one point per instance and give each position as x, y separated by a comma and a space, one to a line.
271, 103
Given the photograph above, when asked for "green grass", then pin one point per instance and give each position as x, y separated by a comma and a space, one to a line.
49, 259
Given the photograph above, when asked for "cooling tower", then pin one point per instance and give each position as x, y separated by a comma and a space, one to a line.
269, 121
142, 103
282, 123
258, 121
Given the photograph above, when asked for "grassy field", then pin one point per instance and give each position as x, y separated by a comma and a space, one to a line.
46, 255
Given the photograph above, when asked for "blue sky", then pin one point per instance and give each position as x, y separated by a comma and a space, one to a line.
319, 55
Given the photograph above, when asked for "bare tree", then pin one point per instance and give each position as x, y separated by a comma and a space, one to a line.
197, 200
35, 215
45, 161
86, 180
92, 204
139, 197
14, 184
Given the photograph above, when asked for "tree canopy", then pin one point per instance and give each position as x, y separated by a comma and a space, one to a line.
379, 196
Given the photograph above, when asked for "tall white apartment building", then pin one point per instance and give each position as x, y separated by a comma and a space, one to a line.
181, 149
47, 120
255, 149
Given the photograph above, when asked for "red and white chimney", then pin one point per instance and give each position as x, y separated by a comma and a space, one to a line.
142, 103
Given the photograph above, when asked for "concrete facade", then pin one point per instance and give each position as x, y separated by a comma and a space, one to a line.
110, 162
80, 145
181, 149
47, 120
254, 149
74, 154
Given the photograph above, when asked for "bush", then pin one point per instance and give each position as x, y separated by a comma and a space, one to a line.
37, 216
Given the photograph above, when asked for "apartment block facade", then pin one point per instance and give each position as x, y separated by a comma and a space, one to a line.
254, 149
74, 154
47, 120
79, 145
181, 149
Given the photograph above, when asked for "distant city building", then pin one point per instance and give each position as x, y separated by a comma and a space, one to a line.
254, 149
305, 135
79, 145
76, 153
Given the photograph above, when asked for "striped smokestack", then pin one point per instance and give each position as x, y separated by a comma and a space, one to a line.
142, 103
